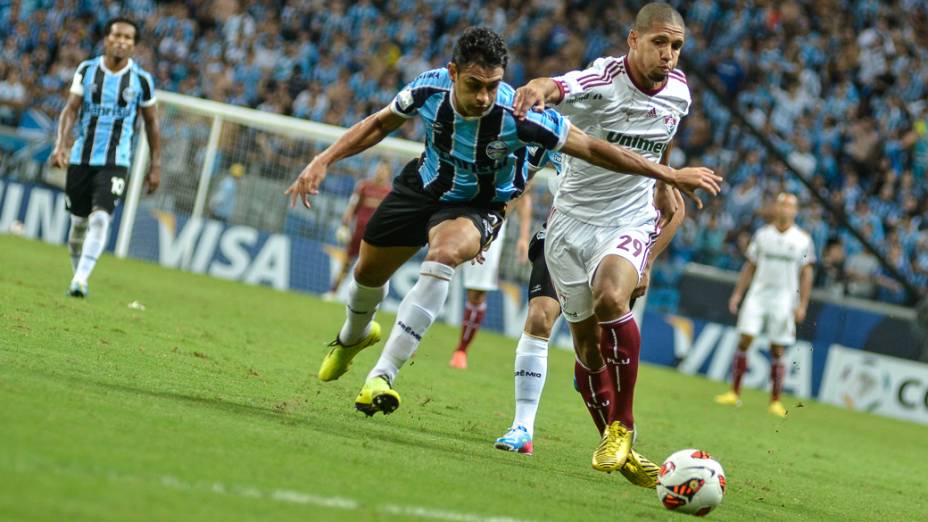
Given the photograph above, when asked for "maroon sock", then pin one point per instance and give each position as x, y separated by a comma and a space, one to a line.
739, 365
598, 394
620, 344
776, 377
473, 317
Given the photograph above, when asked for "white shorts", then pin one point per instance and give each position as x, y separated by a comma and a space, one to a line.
574, 250
772, 318
485, 276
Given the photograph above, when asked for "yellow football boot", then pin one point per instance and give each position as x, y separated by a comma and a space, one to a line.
377, 395
613, 448
776, 408
338, 360
728, 398
639, 470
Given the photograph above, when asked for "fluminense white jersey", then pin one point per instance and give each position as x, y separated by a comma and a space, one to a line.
605, 103
779, 258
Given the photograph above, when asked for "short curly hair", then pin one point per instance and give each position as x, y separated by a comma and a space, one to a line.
481, 46
108, 28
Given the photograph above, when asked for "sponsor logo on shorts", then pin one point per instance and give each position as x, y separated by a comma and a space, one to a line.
408, 329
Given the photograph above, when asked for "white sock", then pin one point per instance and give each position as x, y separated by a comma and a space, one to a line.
359, 310
98, 227
76, 239
530, 371
414, 316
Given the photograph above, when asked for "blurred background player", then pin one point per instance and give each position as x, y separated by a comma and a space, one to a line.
106, 93
779, 271
222, 202
446, 199
481, 278
603, 226
367, 196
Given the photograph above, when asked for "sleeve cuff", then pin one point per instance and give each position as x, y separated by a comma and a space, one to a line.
398, 112
149, 103
563, 138
562, 91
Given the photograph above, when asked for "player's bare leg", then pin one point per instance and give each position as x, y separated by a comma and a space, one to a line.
777, 372
739, 366
531, 368
450, 243
474, 312
366, 290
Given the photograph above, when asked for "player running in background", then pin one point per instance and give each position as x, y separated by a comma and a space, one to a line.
106, 93
482, 278
451, 199
603, 226
779, 271
367, 196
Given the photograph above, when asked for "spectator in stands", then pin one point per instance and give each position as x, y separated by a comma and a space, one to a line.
843, 83
862, 268
830, 275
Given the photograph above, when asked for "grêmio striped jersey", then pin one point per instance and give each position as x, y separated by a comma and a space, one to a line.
109, 111
481, 160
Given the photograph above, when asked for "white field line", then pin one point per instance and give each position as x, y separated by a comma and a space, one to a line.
299, 497
287, 496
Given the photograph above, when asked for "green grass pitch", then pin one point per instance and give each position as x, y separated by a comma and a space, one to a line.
205, 407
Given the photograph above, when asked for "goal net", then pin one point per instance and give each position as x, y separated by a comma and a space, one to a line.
221, 209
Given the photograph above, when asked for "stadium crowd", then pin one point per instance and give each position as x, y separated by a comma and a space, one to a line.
839, 86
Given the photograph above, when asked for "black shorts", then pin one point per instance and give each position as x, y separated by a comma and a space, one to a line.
88, 188
406, 215
539, 282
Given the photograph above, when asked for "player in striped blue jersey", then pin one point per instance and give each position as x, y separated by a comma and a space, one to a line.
107, 94
451, 199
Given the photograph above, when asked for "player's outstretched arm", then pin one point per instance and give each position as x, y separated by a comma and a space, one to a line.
360, 137
65, 127
602, 154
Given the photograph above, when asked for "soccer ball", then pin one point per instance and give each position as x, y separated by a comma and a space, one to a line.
691, 481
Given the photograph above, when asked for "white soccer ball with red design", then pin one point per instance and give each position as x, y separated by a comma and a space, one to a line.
691, 481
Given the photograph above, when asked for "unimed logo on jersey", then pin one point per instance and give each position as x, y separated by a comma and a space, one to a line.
634, 142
